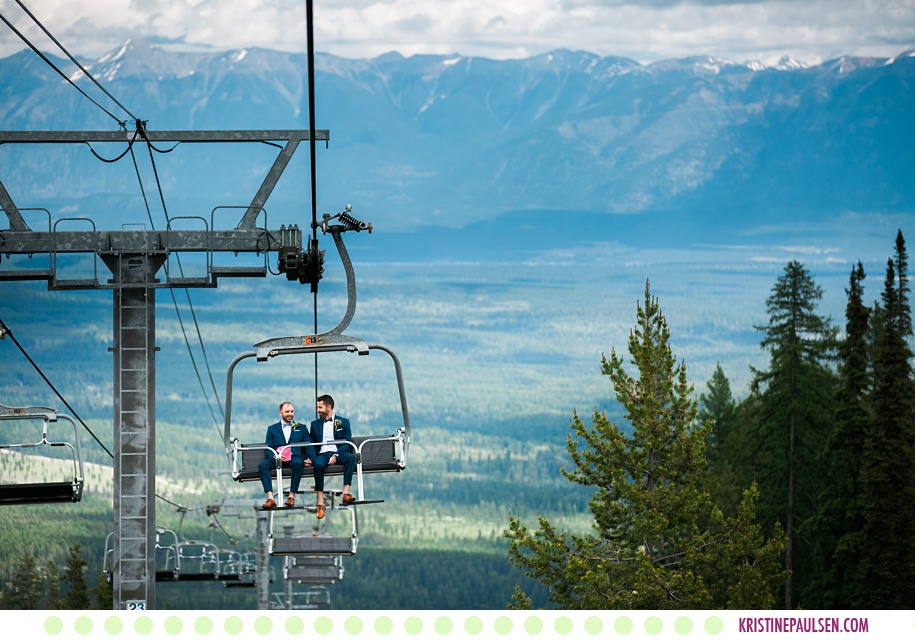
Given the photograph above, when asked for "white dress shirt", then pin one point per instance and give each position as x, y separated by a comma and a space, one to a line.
328, 435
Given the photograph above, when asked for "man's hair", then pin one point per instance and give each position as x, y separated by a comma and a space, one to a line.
283, 404
326, 399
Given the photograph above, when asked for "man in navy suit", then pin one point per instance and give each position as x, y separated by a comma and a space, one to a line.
285, 432
325, 429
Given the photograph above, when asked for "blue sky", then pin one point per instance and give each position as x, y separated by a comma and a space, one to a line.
646, 30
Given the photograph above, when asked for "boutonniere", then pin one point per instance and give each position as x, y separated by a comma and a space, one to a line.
337, 423
295, 426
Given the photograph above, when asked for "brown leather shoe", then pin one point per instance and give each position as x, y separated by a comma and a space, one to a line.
290, 501
320, 511
270, 504
348, 498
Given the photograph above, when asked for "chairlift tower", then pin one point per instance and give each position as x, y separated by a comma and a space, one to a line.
135, 259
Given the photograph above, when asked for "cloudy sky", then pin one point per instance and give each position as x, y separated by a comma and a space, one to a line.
645, 30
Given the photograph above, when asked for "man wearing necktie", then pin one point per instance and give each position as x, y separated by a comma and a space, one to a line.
327, 428
285, 432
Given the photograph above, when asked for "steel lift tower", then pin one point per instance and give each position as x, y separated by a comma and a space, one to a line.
135, 258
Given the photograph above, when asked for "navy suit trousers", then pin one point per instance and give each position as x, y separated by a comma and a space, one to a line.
267, 469
345, 458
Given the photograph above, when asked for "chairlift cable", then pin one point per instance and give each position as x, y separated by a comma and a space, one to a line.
122, 123
74, 60
110, 160
6, 331
171, 291
174, 300
179, 507
9, 332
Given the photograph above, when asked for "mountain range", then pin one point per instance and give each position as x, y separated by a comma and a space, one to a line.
451, 140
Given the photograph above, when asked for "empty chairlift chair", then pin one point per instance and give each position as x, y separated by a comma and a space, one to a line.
313, 569
168, 564
68, 490
322, 544
199, 560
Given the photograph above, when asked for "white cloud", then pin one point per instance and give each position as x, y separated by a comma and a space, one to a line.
646, 30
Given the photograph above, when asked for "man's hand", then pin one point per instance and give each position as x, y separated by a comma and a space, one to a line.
308, 462
333, 459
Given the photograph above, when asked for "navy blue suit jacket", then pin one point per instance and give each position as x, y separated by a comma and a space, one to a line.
276, 439
341, 432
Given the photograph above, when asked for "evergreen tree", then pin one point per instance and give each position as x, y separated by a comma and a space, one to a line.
836, 530
78, 593
53, 601
649, 550
103, 593
719, 408
888, 465
25, 591
796, 397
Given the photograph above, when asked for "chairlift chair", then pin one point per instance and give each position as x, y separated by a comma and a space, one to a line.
168, 562
316, 595
311, 569
321, 544
43, 492
200, 561
239, 573
374, 454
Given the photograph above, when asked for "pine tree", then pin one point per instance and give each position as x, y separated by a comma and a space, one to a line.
103, 593
25, 591
719, 407
796, 397
649, 549
836, 530
78, 593
888, 465
53, 601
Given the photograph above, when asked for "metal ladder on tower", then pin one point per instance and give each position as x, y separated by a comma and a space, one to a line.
135, 397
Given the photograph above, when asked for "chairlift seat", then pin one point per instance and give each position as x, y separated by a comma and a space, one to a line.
377, 457
306, 574
320, 546
317, 561
41, 492
206, 577
239, 585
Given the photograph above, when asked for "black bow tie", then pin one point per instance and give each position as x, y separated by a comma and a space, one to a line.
329, 420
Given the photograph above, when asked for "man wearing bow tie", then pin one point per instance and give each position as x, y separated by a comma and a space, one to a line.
327, 428
285, 432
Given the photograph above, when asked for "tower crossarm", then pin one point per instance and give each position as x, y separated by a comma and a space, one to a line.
291, 138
